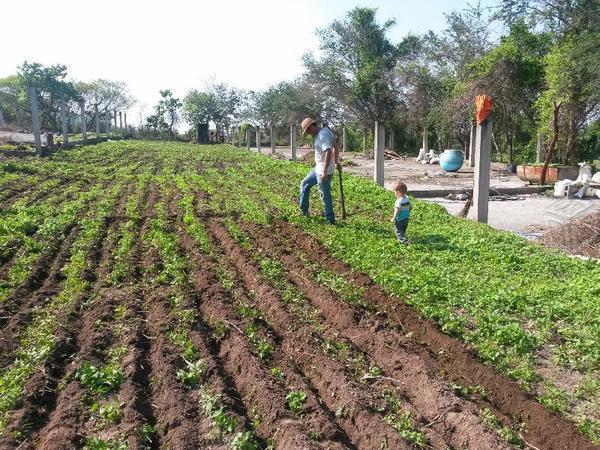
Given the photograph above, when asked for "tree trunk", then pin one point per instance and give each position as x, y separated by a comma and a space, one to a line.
552, 142
571, 138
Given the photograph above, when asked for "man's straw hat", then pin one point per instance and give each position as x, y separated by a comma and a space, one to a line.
307, 123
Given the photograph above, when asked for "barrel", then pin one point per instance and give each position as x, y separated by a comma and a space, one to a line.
451, 160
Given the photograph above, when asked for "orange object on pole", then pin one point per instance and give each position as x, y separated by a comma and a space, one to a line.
484, 108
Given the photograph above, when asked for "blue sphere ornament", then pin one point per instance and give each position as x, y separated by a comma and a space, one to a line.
451, 160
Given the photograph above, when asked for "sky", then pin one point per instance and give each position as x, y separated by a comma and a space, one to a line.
180, 45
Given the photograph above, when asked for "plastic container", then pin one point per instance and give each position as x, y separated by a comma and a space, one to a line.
451, 160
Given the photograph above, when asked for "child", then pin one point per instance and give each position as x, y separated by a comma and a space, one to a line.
402, 209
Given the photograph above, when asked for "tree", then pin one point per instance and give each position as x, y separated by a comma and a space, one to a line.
355, 69
107, 95
50, 83
217, 103
166, 114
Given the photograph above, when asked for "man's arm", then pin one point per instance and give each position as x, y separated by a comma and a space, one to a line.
325, 176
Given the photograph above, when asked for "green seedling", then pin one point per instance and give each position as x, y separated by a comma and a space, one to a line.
295, 401
192, 374
99, 380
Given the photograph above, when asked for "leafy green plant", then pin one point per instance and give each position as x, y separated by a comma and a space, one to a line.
111, 412
146, 433
100, 380
295, 401
191, 375
95, 443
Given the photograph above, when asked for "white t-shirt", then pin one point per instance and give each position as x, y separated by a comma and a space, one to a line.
324, 141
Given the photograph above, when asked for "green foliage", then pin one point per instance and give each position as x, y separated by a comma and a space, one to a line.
99, 380
192, 374
111, 412
96, 443
295, 401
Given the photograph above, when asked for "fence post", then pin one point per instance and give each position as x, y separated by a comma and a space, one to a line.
107, 122
247, 138
1, 119
378, 144
258, 139
273, 138
97, 115
121, 120
293, 141
83, 122
425, 140
63, 117
344, 139
481, 182
35, 120
392, 139
472, 145
125, 119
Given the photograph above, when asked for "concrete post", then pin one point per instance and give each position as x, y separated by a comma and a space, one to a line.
35, 120
248, 138
472, 146
344, 139
107, 122
378, 144
293, 141
63, 118
539, 150
425, 140
258, 139
97, 116
1, 119
273, 139
121, 120
365, 136
83, 122
392, 139
481, 182
115, 118
125, 119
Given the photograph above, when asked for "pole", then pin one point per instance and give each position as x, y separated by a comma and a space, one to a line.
83, 122
378, 152
272, 140
1, 119
481, 182
425, 140
472, 145
344, 139
392, 139
258, 139
293, 141
97, 115
35, 120
63, 118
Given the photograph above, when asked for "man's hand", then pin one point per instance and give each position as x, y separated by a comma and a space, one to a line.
325, 176
392, 219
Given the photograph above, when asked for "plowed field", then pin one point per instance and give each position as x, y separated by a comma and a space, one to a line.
157, 295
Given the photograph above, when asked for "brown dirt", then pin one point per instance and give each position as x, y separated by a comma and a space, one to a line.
580, 236
544, 429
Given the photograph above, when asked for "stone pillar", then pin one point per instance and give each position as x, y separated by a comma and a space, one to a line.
1, 119
97, 116
273, 139
392, 139
125, 119
115, 117
248, 138
472, 145
481, 182
258, 139
344, 139
107, 122
121, 120
365, 136
293, 141
425, 141
540, 149
83, 122
35, 120
378, 144
63, 118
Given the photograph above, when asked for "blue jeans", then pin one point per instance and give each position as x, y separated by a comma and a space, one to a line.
324, 188
401, 226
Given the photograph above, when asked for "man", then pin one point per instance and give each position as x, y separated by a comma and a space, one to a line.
326, 158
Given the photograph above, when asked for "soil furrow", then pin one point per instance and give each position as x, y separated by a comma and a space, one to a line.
449, 415
353, 402
259, 391
543, 428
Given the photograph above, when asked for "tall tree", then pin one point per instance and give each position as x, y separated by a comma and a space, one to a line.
356, 66
217, 103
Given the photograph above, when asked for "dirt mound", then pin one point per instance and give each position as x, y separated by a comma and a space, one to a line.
579, 236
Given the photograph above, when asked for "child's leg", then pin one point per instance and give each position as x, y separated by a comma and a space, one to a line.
401, 227
309, 181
